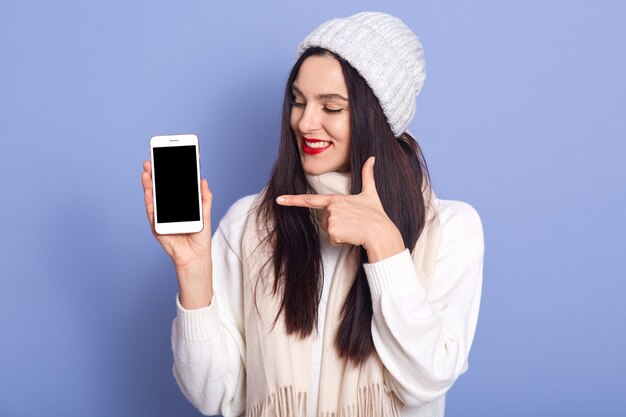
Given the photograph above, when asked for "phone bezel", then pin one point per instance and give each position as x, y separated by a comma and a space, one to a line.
165, 141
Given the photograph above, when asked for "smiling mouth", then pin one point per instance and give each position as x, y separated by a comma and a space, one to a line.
315, 146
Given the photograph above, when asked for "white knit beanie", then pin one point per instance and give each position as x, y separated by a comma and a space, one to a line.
385, 52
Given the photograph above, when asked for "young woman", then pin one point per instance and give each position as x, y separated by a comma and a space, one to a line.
345, 287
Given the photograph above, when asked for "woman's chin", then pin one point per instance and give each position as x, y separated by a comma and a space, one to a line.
316, 171
313, 166
322, 167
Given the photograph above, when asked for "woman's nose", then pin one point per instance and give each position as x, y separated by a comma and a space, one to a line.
309, 121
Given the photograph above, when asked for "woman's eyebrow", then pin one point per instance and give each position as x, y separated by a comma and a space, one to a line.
330, 96
327, 96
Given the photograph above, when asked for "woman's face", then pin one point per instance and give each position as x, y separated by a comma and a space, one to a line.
320, 116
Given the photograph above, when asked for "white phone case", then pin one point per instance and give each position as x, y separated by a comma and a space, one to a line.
176, 227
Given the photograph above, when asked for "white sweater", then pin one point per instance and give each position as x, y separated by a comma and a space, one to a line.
423, 337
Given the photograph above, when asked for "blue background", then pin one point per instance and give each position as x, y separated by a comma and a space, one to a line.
522, 115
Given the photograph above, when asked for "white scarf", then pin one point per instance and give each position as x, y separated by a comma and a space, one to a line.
278, 365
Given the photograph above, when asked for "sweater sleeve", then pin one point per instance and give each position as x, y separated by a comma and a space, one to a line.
209, 343
423, 337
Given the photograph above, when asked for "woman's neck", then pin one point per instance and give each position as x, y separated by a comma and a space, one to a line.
330, 182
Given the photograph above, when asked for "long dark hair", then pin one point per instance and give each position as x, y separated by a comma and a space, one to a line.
401, 176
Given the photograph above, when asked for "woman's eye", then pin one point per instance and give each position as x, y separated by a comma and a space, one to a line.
329, 110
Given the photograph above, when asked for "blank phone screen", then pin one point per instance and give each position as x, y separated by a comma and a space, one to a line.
176, 183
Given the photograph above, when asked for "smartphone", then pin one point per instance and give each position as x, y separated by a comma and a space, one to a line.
176, 184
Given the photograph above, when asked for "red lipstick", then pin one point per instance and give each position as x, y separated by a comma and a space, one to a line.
313, 151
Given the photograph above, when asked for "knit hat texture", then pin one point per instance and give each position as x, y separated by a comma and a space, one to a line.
386, 53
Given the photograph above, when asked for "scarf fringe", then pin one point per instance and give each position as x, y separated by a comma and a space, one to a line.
375, 400
284, 403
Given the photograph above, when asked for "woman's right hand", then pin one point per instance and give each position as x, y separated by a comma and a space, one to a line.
191, 253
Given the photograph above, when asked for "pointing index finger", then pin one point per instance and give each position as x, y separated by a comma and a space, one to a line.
305, 200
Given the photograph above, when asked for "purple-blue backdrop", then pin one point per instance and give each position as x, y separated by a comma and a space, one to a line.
522, 115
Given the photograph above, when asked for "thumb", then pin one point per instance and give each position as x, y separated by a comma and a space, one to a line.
207, 202
367, 176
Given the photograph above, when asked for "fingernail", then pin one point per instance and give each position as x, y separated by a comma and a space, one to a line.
280, 200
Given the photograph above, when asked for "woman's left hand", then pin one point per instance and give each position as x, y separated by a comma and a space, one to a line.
358, 219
